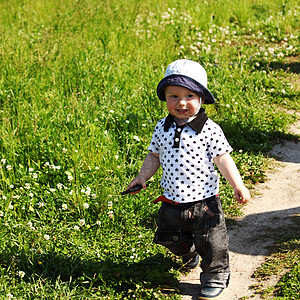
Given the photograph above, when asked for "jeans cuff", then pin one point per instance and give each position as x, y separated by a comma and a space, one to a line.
219, 280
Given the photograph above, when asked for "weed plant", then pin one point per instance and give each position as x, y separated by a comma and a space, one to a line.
78, 107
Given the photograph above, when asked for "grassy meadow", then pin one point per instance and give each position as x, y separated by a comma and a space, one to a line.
78, 106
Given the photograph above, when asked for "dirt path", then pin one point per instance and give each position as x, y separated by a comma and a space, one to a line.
270, 213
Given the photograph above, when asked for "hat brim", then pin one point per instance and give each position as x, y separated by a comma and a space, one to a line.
187, 82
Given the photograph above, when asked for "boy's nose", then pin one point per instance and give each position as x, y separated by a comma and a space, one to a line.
182, 100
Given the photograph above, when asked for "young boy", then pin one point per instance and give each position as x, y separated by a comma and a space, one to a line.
187, 144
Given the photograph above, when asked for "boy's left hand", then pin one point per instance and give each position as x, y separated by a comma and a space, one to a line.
241, 194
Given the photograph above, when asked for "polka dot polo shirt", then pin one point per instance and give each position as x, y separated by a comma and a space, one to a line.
186, 156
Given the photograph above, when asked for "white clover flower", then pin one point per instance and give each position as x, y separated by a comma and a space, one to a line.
35, 175
29, 224
9, 167
64, 206
144, 125
88, 191
30, 194
11, 186
116, 156
21, 274
4, 197
86, 205
64, 150
70, 177
10, 206
94, 196
27, 186
46, 164
46, 237
127, 121
98, 222
52, 190
97, 168
76, 227
135, 137
59, 186
71, 192
3, 160
96, 120
109, 203
111, 111
110, 214
82, 222
9, 296
40, 204
30, 169
1, 213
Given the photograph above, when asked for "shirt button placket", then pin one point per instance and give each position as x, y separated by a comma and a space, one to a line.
177, 136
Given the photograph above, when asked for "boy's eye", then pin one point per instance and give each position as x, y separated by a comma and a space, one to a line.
191, 96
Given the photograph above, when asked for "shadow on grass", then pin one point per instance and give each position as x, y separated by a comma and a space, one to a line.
106, 275
289, 66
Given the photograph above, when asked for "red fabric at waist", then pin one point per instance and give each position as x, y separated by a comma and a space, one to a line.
162, 198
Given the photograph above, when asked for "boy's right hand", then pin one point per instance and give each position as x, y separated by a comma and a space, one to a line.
138, 180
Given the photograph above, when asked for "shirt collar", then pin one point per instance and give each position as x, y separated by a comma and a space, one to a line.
196, 124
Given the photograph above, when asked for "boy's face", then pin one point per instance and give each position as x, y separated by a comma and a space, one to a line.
182, 103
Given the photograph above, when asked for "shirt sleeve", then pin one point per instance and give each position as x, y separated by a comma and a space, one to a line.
218, 143
155, 141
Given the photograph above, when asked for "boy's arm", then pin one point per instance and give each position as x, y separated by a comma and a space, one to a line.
228, 169
148, 169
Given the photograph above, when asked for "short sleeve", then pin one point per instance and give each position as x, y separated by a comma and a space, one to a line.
155, 140
217, 142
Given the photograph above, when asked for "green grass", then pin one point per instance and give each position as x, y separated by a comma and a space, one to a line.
78, 107
282, 264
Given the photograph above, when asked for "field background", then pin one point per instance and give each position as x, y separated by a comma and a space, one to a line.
78, 107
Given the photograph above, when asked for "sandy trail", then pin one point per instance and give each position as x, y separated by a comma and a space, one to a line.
272, 210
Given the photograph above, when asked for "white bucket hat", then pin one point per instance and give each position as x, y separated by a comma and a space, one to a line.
189, 74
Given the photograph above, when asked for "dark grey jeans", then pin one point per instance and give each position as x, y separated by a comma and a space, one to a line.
188, 229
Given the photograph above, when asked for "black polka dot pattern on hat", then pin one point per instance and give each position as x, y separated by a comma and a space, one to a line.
188, 169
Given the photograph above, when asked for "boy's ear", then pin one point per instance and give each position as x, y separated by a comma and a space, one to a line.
202, 101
